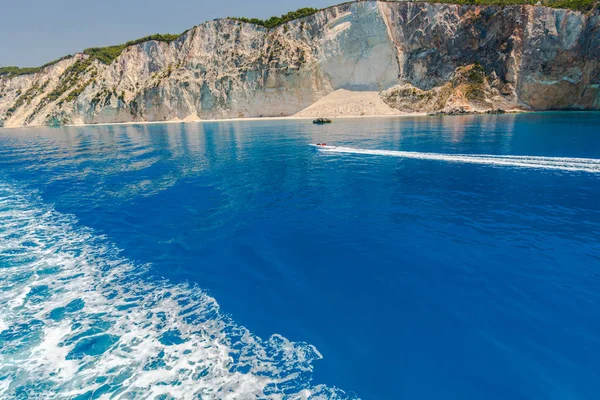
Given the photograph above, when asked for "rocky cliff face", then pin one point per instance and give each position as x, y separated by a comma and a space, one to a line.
419, 56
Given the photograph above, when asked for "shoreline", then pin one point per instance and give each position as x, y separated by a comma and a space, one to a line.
293, 118
249, 119
252, 119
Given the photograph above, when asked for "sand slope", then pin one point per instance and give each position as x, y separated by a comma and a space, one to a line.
344, 103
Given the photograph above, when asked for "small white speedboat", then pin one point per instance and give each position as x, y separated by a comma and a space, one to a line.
322, 146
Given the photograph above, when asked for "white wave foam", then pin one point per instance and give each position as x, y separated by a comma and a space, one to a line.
557, 163
79, 319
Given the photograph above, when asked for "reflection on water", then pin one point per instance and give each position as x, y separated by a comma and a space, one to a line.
101, 152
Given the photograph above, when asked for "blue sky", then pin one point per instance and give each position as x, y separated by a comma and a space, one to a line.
36, 31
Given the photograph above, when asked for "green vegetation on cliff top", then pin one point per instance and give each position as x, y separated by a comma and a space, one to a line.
108, 54
274, 22
105, 55
28, 70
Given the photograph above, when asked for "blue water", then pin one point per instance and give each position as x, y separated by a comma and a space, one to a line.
231, 260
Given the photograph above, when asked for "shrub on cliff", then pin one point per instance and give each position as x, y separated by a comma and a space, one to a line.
274, 22
108, 54
15, 71
159, 37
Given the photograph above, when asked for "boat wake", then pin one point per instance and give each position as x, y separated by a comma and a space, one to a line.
591, 165
78, 320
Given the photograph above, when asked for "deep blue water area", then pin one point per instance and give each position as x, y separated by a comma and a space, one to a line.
430, 258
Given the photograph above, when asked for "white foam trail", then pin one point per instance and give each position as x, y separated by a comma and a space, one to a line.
557, 163
78, 319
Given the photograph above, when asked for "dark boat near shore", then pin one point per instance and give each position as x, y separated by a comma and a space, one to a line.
322, 121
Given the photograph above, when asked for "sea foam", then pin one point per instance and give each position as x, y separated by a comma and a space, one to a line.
80, 321
591, 165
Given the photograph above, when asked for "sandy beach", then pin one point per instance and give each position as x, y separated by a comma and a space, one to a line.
336, 105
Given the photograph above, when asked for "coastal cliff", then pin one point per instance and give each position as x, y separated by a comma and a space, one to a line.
415, 56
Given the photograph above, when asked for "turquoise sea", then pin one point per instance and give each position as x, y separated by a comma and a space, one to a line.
423, 258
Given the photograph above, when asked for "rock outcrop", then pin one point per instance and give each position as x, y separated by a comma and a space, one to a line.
424, 57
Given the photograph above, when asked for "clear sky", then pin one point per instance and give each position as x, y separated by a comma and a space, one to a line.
34, 32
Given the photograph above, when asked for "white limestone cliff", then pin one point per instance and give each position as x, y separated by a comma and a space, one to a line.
417, 56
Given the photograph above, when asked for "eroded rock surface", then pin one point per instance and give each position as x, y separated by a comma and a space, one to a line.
421, 57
